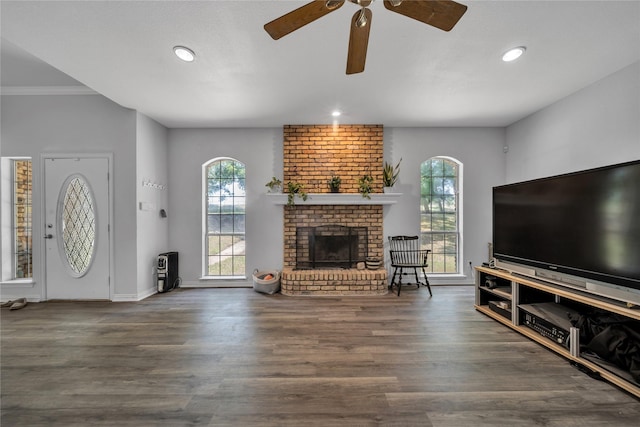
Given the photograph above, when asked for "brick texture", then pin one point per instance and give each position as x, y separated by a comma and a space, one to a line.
312, 154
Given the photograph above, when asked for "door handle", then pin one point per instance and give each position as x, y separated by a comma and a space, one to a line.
48, 236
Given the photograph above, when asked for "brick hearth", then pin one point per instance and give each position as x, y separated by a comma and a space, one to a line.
334, 282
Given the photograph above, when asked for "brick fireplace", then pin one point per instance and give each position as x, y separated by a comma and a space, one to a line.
312, 154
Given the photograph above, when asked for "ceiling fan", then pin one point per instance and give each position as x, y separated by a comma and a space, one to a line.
442, 14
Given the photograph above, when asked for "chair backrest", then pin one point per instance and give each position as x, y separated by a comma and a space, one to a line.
406, 250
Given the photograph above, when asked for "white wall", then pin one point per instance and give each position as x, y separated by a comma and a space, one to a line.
32, 125
480, 150
261, 152
152, 179
596, 126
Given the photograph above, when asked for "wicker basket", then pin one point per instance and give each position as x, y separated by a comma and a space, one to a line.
269, 286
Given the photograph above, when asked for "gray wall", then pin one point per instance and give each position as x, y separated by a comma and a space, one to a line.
480, 150
597, 126
33, 125
152, 179
261, 152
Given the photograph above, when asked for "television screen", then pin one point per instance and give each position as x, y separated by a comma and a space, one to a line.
585, 224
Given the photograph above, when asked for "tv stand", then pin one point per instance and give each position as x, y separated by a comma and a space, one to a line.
508, 301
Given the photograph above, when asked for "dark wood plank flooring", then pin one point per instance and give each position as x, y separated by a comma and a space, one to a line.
233, 357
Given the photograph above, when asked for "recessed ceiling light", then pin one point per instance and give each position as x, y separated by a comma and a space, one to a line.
336, 113
513, 54
184, 53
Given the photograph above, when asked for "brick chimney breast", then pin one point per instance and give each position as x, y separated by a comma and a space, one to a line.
312, 154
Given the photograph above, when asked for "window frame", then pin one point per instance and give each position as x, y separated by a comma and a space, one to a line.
458, 232
205, 224
8, 220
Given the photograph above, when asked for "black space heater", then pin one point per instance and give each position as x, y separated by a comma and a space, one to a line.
167, 268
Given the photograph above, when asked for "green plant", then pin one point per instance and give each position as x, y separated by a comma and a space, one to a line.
295, 189
365, 186
390, 174
334, 183
274, 185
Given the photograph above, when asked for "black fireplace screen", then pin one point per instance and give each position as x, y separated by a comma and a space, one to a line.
330, 246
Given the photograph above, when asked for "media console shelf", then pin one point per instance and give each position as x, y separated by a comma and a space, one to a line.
510, 298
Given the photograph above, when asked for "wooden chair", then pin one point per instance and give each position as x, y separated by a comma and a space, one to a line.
405, 255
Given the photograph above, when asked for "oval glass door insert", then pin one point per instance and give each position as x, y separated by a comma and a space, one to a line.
77, 221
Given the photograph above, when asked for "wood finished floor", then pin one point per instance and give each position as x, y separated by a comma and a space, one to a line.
233, 357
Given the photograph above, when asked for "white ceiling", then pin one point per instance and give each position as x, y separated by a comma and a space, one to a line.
415, 75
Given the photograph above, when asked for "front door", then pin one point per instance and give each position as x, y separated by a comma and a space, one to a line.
76, 229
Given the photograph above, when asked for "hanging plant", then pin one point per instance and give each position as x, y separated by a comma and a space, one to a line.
295, 189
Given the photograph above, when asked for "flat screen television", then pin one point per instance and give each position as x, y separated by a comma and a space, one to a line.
580, 229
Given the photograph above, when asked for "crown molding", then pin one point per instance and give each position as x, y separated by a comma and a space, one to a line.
47, 90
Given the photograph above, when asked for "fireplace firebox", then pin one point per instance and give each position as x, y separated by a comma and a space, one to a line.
330, 246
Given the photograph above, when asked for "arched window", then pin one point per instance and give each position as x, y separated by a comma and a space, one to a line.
440, 213
224, 224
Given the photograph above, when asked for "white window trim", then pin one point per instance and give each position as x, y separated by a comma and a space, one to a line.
204, 275
459, 211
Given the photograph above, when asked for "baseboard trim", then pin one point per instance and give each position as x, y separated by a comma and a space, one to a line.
134, 297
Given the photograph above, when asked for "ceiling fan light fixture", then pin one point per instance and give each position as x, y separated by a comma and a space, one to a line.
184, 53
513, 54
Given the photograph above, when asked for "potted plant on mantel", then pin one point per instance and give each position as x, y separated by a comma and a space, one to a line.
390, 175
275, 185
365, 186
334, 183
295, 189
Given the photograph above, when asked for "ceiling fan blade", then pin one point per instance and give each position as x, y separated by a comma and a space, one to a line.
300, 17
358, 41
442, 14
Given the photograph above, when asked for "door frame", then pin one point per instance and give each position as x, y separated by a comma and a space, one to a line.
110, 210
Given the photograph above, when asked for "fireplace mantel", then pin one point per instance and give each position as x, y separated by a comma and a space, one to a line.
337, 199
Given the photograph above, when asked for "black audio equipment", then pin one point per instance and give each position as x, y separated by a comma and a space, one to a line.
491, 282
549, 319
167, 272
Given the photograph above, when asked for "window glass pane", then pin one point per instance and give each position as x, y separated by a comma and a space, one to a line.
226, 218
22, 224
437, 167
449, 222
238, 223
439, 213
78, 225
449, 186
437, 222
437, 186
425, 222
450, 169
449, 204
451, 243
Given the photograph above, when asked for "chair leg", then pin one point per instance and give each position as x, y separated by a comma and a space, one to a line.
426, 280
393, 278
415, 273
400, 280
